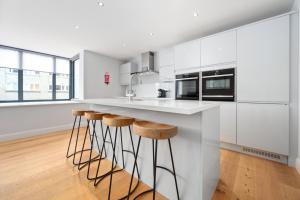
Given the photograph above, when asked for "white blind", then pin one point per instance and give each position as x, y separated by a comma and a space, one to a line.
37, 62
9, 58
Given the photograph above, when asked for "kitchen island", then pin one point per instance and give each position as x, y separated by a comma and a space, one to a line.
195, 147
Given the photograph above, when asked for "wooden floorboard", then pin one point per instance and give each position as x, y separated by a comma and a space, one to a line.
250, 178
36, 168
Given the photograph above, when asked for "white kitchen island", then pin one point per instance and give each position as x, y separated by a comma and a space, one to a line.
195, 147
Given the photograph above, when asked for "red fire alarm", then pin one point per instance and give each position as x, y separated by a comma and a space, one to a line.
106, 78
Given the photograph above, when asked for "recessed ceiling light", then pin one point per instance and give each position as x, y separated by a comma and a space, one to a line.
151, 34
76, 27
100, 3
196, 14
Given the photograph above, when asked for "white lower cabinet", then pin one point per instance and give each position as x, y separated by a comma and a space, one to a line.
228, 122
263, 126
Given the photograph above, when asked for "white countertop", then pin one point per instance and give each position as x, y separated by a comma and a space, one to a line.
170, 106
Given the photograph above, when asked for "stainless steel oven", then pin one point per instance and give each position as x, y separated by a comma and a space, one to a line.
187, 86
218, 85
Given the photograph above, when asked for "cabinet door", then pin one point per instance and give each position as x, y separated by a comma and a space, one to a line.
187, 55
166, 73
125, 79
263, 61
217, 49
228, 122
263, 126
125, 68
166, 57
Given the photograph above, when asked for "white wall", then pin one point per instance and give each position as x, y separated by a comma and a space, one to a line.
26, 121
94, 66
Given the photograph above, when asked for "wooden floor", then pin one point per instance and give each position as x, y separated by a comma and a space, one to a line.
36, 168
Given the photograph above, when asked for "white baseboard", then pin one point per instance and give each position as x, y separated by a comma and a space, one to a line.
34, 132
298, 165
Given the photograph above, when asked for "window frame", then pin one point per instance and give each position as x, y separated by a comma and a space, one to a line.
21, 76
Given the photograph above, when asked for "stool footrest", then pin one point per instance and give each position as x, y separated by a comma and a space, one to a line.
131, 192
128, 151
85, 163
68, 156
105, 175
143, 193
164, 168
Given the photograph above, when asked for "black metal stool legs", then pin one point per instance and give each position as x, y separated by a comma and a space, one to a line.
112, 164
97, 178
70, 140
75, 151
81, 165
173, 166
135, 164
155, 167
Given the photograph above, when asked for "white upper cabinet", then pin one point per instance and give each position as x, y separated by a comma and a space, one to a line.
125, 72
166, 57
128, 68
166, 73
264, 127
263, 61
187, 55
219, 48
166, 64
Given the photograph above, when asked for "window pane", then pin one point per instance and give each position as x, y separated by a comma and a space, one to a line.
37, 62
8, 84
62, 66
37, 85
62, 86
76, 79
62, 78
9, 58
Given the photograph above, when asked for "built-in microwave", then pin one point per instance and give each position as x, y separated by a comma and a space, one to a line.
187, 86
218, 85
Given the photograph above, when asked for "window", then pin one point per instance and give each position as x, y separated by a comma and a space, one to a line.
37, 74
9, 64
76, 79
62, 78
30, 76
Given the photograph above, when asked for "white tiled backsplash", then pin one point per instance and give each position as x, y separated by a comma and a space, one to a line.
151, 89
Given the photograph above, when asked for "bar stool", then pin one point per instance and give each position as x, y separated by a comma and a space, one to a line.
76, 114
93, 117
154, 131
118, 122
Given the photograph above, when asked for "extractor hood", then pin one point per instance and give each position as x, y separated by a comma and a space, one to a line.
148, 63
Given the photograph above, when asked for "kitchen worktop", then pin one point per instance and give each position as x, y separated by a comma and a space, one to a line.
171, 106
196, 147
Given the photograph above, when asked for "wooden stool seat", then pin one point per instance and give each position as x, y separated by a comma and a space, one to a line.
94, 115
117, 120
154, 130
80, 112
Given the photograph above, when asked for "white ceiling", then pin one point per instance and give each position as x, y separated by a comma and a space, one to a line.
49, 25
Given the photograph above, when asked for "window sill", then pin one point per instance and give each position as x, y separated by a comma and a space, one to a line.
45, 103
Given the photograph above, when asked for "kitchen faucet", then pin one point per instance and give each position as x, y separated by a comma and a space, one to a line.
130, 92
